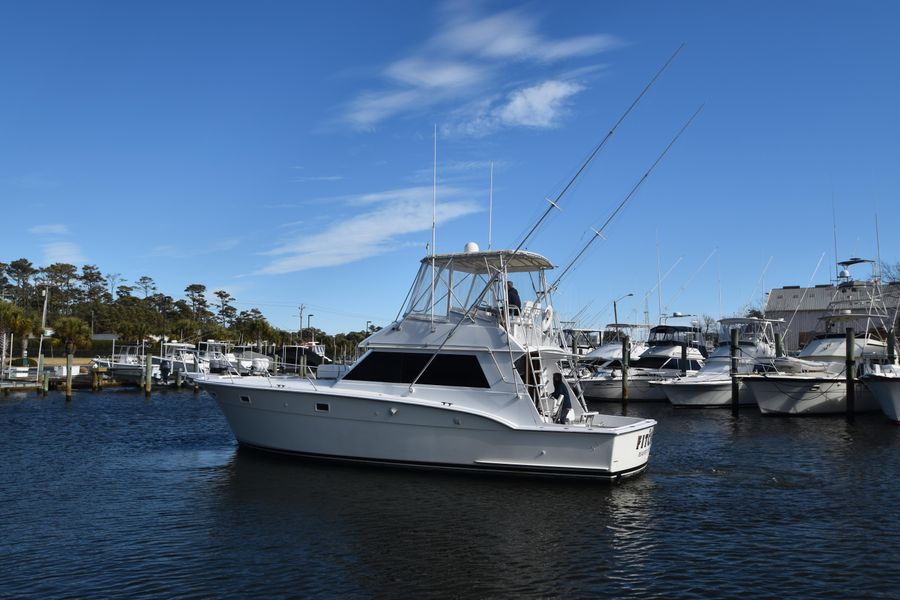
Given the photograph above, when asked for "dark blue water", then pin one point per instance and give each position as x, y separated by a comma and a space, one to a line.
113, 495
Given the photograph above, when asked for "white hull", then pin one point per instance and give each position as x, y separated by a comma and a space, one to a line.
704, 394
610, 388
326, 423
807, 395
886, 391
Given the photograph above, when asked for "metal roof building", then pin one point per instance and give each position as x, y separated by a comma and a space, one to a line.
810, 304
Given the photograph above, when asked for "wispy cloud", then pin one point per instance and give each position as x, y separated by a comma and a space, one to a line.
50, 229
63, 252
539, 106
376, 228
469, 57
513, 34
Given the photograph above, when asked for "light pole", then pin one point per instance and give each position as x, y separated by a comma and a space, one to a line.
368, 327
615, 309
312, 335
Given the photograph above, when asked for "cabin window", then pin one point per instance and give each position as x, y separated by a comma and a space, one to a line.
458, 370
322, 406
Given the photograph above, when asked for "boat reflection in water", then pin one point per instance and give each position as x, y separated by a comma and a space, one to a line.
463, 380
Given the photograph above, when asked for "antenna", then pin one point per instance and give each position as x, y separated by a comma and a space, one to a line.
694, 274
658, 280
433, 221
805, 290
719, 283
834, 230
877, 246
491, 206
759, 281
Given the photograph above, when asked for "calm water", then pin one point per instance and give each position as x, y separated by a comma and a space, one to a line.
115, 495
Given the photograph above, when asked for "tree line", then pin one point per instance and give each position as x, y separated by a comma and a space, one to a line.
85, 301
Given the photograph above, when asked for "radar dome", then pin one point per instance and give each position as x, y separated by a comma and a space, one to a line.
471, 247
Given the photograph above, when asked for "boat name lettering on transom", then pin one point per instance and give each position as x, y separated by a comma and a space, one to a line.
644, 440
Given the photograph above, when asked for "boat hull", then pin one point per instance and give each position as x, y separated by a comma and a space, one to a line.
391, 430
803, 395
639, 390
705, 394
886, 391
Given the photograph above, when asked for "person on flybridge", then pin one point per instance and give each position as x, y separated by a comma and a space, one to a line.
512, 296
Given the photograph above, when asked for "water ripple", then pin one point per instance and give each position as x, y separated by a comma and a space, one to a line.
113, 495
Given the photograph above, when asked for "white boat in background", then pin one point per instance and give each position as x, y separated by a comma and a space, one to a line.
215, 354
711, 386
815, 382
246, 361
611, 348
662, 359
883, 382
294, 356
127, 363
178, 357
457, 382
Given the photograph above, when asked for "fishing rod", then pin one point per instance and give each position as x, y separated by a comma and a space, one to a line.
805, 290
596, 318
599, 232
680, 290
555, 202
759, 283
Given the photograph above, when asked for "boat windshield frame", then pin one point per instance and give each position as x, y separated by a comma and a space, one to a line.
460, 279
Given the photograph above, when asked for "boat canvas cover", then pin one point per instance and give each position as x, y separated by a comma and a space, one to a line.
487, 262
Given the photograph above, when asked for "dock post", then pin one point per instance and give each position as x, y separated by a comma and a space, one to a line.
45, 385
178, 379
626, 356
94, 385
69, 359
684, 360
892, 346
148, 374
779, 344
735, 384
848, 369
39, 375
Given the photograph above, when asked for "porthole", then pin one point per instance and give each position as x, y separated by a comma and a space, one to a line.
321, 406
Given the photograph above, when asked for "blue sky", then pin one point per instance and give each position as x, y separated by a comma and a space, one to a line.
283, 150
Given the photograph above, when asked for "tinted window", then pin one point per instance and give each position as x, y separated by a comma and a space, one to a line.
460, 370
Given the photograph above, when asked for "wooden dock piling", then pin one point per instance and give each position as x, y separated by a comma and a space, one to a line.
849, 371
892, 346
148, 375
626, 356
69, 361
735, 383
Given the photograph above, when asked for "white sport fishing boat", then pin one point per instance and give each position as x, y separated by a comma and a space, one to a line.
126, 363
815, 381
459, 381
883, 382
711, 386
661, 360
